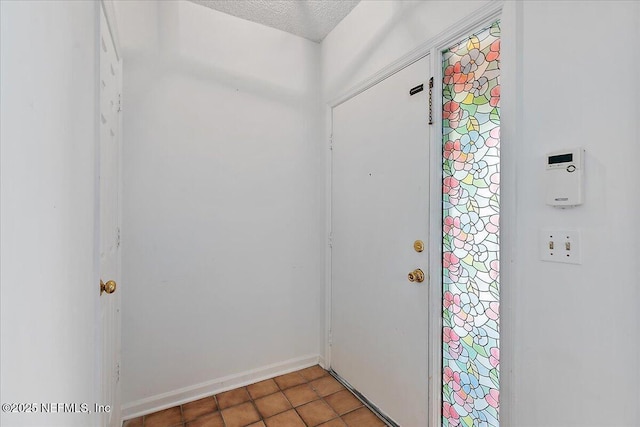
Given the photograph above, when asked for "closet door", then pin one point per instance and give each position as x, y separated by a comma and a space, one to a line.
109, 218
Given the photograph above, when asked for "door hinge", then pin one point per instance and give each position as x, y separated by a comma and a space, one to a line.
119, 102
331, 143
330, 240
117, 373
330, 339
117, 237
431, 101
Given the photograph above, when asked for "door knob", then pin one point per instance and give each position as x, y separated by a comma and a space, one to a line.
416, 275
109, 287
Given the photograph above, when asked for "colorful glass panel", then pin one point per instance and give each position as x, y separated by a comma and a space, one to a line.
471, 208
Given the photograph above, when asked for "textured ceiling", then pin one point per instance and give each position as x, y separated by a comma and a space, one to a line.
311, 19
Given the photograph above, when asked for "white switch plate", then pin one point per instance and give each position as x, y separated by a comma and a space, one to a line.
557, 245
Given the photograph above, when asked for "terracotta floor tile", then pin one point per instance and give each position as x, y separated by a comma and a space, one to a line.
233, 397
318, 398
343, 402
285, 419
326, 385
210, 420
167, 418
263, 388
362, 417
313, 373
289, 380
333, 423
272, 404
135, 422
195, 409
316, 412
241, 415
301, 394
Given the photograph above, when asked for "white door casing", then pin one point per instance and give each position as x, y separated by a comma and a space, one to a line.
380, 206
110, 90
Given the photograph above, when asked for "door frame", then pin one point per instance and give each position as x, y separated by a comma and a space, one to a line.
510, 15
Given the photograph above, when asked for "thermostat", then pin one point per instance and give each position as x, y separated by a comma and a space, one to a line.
565, 178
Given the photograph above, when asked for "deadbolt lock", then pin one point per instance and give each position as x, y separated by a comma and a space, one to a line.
418, 245
416, 275
109, 287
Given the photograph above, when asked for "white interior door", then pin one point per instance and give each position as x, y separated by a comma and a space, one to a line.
109, 240
380, 201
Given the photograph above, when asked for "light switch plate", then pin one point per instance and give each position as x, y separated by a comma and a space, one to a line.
557, 245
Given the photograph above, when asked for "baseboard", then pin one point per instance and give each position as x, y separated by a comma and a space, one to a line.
322, 362
218, 385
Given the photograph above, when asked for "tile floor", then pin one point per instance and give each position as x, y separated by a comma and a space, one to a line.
306, 398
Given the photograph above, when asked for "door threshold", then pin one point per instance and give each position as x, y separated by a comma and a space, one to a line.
386, 419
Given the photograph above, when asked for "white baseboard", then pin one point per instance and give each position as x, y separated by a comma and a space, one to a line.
197, 391
322, 363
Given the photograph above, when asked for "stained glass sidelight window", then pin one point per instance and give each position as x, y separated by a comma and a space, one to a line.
471, 208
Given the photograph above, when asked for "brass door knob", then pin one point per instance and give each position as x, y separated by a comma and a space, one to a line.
109, 287
416, 275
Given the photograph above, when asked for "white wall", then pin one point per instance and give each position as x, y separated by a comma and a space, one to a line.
222, 223
576, 336
48, 289
570, 347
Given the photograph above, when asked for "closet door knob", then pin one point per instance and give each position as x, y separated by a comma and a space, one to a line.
109, 287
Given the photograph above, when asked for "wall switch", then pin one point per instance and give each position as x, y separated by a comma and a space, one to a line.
558, 245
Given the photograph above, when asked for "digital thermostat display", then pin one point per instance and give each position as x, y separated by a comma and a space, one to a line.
561, 158
564, 178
